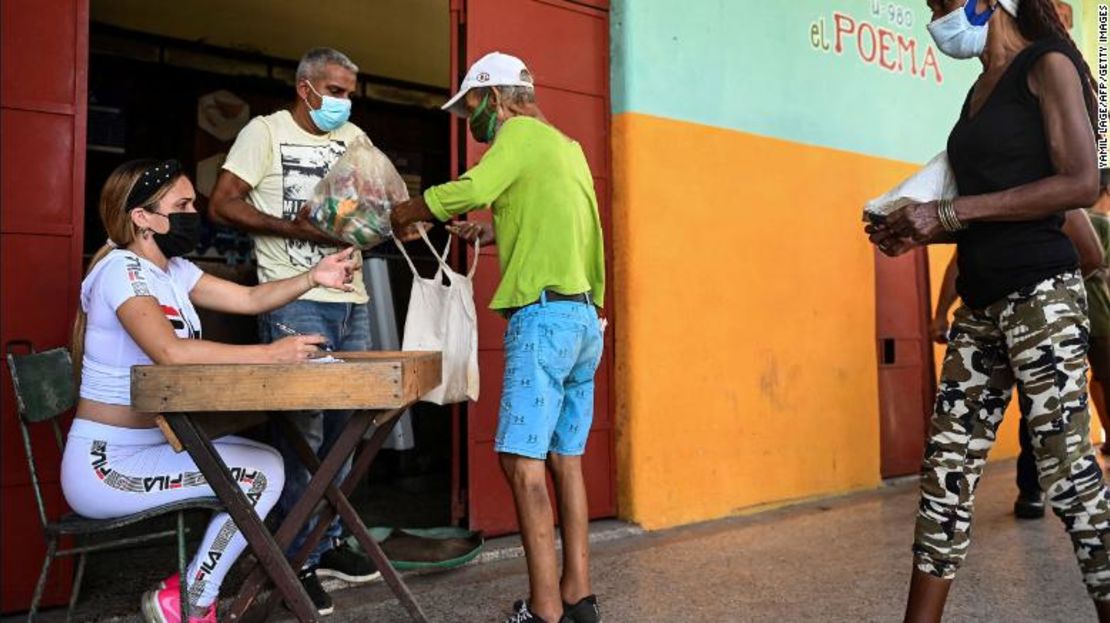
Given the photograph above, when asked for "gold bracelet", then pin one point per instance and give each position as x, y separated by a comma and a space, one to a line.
946, 212
942, 214
311, 282
960, 225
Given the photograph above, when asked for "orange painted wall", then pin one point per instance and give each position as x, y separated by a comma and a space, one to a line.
745, 302
745, 359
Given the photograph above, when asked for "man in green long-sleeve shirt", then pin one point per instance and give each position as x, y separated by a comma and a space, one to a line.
548, 235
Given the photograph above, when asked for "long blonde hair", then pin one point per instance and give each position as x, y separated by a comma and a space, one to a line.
116, 217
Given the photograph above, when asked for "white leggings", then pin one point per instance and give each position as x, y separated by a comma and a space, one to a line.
110, 471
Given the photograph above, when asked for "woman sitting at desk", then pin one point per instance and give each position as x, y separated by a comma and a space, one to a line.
137, 308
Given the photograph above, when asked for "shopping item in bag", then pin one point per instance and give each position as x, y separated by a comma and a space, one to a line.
933, 182
442, 318
354, 200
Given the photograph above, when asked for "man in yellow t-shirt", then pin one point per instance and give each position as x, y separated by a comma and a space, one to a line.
272, 169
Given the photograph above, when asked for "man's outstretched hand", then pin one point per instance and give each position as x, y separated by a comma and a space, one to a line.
412, 232
408, 213
473, 231
305, 230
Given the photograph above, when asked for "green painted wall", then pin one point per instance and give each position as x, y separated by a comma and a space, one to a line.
858, 75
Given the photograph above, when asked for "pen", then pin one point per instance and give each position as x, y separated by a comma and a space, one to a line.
288, 331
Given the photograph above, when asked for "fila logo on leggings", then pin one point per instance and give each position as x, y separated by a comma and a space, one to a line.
209, 565
99, 459
98, 453
257, 481
212, 558
245, 476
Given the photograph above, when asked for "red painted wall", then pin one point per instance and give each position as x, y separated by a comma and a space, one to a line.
572, 88
43, 87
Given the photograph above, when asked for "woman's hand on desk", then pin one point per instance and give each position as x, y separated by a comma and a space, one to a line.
335, 271
296, 348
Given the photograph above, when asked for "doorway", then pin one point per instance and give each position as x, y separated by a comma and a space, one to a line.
174, 81
156, 95
572, 88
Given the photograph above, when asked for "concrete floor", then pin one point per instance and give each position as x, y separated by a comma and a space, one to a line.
845, 559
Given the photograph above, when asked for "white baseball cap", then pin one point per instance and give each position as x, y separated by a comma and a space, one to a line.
493, 69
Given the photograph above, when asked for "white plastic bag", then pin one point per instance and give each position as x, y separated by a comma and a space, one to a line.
442, 317
933, 182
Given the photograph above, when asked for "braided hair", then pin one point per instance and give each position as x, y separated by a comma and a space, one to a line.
1038, 19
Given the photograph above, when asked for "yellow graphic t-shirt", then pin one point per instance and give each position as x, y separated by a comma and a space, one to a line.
283, 163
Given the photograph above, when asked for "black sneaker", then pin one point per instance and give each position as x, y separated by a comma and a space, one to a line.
1029, 506
320, 598
521, 614
348, 565
585, 611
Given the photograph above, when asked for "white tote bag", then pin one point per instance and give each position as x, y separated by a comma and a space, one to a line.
442, 317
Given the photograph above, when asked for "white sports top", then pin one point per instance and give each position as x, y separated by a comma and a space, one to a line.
109, 350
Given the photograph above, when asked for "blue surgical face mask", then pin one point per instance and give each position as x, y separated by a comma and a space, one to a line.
332, 113
963, 32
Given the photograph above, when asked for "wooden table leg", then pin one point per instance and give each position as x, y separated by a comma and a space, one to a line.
305, 507
358, 471
340, 503
270, 557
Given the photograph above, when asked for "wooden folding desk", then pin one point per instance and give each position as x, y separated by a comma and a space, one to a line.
198, 403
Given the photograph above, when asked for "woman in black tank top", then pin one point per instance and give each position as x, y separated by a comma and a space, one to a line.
1023, 155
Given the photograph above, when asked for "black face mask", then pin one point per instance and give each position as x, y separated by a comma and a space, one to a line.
183, 236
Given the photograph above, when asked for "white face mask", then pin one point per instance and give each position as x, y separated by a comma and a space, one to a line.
963, 32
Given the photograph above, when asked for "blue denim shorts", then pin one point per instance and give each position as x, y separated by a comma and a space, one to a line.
552, 351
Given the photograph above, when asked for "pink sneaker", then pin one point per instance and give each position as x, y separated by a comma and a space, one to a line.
163, 604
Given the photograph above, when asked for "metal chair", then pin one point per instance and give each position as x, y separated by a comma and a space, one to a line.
44, 387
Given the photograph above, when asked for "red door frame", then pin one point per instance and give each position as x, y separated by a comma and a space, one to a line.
489, 505
459, 489
907, 374
43, 96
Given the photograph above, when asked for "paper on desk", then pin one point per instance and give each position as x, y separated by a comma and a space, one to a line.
933, 182
326, 359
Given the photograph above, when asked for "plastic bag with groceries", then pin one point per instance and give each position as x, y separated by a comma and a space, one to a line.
355, 198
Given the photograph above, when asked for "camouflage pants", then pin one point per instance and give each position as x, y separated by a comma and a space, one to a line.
1036, 337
